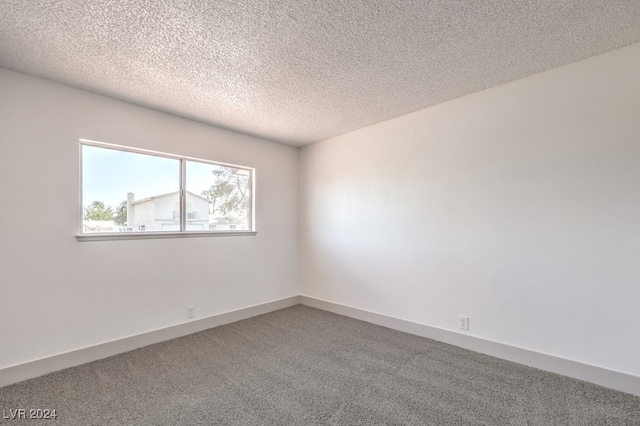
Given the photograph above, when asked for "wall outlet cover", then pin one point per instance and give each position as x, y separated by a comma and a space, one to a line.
463, 322
191, 311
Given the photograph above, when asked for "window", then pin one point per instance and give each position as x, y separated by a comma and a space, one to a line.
130, 191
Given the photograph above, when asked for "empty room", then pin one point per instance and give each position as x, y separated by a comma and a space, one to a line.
320, 212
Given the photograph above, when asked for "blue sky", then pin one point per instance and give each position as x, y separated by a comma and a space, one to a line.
108, 175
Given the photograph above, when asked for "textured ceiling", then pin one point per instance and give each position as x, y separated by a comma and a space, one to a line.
302, 71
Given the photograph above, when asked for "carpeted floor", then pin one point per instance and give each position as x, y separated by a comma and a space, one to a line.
303, 366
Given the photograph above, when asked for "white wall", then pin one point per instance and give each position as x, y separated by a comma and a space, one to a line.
518, 206
58, 294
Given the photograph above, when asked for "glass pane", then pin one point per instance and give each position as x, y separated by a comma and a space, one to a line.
218, 197
129, 192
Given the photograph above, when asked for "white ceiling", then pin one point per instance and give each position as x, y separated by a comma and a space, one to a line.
301, 71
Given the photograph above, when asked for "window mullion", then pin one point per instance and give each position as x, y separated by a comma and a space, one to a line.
183, 195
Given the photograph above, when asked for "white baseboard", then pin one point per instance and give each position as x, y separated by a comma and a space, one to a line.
599, 375
19, 372
602, 376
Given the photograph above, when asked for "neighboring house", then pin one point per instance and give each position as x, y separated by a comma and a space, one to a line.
162, 212
99, 226
221, 225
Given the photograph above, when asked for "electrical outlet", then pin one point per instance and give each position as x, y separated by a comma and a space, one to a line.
191, 311
463, 322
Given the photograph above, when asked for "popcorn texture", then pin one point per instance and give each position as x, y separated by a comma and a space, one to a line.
298, 72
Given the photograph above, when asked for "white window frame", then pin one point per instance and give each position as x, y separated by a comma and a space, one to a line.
182, 233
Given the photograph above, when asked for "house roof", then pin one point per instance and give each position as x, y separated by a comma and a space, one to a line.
168, 194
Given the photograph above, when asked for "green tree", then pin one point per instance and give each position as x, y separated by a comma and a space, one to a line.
98, 211
120, 217
229, 194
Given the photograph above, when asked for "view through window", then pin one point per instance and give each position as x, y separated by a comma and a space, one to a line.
126, 190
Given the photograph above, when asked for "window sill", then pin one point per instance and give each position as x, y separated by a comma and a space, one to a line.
159, 235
